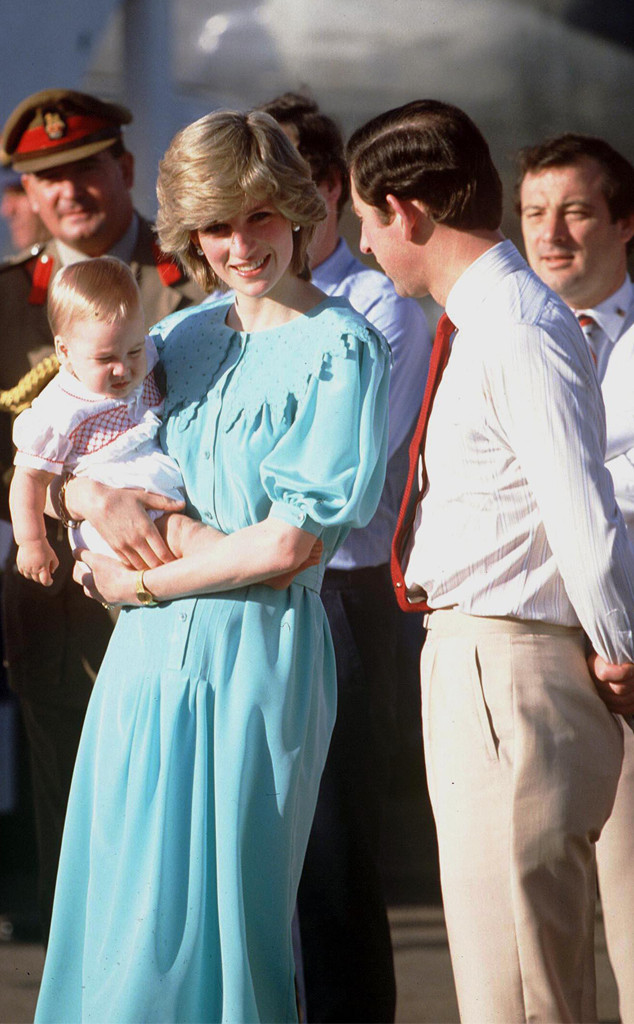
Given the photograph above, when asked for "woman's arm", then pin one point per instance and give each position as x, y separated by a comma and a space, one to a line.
120, 517
27, 499
251, 555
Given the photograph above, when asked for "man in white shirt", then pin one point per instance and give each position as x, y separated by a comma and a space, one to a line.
575, 197
519, 548
346, 951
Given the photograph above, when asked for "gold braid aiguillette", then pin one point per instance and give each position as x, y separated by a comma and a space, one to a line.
18, 398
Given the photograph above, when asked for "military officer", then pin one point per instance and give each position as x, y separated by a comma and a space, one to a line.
69, 149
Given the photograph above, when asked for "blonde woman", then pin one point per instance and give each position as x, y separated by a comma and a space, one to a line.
209, 725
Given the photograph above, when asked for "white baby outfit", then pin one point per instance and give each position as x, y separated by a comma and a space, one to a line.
69, 429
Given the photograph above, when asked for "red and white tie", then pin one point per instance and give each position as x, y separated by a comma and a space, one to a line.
586, 324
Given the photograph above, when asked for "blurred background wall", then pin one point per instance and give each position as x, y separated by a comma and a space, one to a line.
522, 68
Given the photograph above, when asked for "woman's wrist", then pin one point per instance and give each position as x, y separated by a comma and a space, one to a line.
81, 496
144, 595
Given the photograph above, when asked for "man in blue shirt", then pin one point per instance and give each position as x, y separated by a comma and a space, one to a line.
346, 950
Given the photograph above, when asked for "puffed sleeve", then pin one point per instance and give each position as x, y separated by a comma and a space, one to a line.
39, 442
328, 469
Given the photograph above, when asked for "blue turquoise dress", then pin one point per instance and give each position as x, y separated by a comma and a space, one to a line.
208, 728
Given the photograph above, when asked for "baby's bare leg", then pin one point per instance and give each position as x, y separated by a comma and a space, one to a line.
182, 534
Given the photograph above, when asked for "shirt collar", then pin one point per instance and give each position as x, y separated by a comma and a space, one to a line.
475, 283
611, 314
122, 249
336, 267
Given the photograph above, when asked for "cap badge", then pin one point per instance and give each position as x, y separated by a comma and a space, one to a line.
54, 125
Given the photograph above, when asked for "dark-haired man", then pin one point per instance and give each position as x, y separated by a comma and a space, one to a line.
348, 971
575, 197
518, 547
68, 148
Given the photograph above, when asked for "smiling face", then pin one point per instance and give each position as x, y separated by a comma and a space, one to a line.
571, 241
250, 251
86, 203
108, 358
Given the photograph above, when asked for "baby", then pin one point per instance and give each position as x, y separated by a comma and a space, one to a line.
99, 416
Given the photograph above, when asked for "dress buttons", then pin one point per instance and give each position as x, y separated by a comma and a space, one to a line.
183, 616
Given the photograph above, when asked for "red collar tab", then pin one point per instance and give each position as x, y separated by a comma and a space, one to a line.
168, 270
40, 270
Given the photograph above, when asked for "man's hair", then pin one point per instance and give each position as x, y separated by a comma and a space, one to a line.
430, 151
571, 148
216, 165
316, 136
103, 289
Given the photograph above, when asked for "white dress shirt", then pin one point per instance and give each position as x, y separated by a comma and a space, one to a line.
613, 339
520, 518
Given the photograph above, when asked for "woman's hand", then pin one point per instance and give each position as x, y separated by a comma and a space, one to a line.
105, 579
120, 516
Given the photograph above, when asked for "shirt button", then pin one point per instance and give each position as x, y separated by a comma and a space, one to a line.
207, 455
183, 616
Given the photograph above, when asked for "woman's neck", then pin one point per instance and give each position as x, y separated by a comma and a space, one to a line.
286, 302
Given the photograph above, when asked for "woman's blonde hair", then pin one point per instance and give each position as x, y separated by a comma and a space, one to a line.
97, 289
214, 166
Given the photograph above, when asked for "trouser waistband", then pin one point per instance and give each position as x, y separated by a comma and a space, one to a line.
447, 621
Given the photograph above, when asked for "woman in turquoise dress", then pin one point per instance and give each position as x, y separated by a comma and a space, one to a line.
209, 724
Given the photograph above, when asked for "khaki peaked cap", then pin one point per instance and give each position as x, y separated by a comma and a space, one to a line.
58, 126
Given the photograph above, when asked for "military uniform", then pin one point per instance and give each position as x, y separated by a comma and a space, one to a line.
55, 637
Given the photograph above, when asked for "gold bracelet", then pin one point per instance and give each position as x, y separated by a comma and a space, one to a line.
62, 507
145, 596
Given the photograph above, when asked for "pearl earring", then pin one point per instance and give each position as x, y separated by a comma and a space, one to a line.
295, 227
199, 251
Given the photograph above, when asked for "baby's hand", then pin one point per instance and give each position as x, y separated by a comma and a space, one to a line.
37, 561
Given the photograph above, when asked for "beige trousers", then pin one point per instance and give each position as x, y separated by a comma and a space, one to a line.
523, 760
615, 861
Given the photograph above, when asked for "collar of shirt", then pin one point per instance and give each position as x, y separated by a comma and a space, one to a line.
475, 283
611, 314
331, 271
122, 249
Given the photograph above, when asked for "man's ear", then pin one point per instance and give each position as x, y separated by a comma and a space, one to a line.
407, 212
30, 192
627, 227
331, 188
126, 163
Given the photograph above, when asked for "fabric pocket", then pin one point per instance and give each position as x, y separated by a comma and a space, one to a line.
489, 736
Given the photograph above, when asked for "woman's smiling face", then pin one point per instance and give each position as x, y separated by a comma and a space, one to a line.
250, 251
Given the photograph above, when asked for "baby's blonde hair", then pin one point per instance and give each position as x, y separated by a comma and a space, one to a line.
97, 289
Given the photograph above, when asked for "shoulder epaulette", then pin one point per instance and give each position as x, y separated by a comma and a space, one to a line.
19, 258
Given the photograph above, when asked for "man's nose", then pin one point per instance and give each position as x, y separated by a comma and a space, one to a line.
69, 187
554, 226
364, 244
